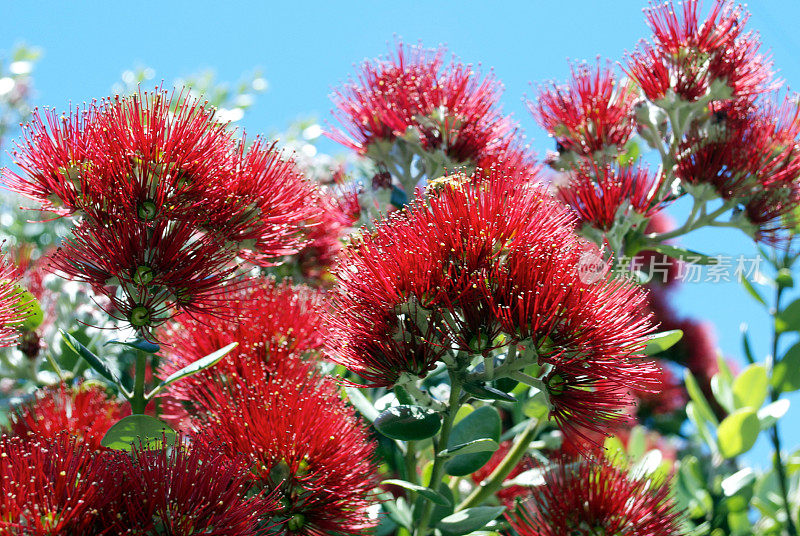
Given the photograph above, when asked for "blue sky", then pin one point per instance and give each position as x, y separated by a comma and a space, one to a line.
306, 49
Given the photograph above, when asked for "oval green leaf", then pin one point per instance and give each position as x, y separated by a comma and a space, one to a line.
136, 430
658, 342
487, 392
469, 520
750, 387
432, 495
138, 344
479, 445
786, 372
193, 368
738, 432
483, 423
95, 362
408, 423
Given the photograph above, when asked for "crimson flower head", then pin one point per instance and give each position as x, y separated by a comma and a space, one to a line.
751, 154
301, 441
603, 194
165, 200
52, 485
184, 490
448, 105
271, 321
587, 497
483, 262
688, 55
85, 411
592, 113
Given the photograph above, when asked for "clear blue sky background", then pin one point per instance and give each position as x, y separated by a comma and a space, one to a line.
306, 49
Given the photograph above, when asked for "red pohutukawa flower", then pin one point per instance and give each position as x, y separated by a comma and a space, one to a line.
186, 490
590, 114
85, 411
451, 108
484, 256
602, 194
751, 154
52, 486
588, 497
167, 199
688, 55
15, 305
269, 320
301, 441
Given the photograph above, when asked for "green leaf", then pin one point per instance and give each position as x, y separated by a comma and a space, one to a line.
786, 372
441, 512
748, 352
637, 443
771, 413
658, 342
738, 480
750, 387
701, 404
738, 432
723, 392
138, 344
748, 286
479, 445
408, 423
136, 430
95, 362
630, 154
686, 255
428, 493
193, 368
483, 423
487, 392
469, 520
789, 318
647, 465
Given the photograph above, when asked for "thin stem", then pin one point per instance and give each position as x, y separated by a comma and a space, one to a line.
440, 444
495, 480
692, 223
138, 400
411, 462
774, 433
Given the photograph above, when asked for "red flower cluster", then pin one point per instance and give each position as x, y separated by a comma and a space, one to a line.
52, 486
185, 490
58, 485
591, 114
270, 321
584, 498
687, 56
484, 256
448, 105
167, 199
603, 194
301, 441
85, 412
749, 153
